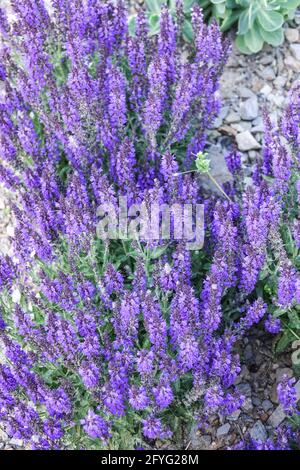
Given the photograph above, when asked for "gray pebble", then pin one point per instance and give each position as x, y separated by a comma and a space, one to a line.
295, 50
258, 431
244, 389
246, 141
267, 405
223, 430
249, 109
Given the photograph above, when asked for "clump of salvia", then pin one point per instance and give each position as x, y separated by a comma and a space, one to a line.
104, 342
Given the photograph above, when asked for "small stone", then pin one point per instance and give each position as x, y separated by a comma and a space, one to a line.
10, 230
249, 109
3, 435
295, 50
266, 59
244, 389
242, 126
247, 405
246, 141
283, 371
245, 92
267, 73
234, 416
248, 352
292, 63
266, 90
223, 430
232, 117
292, 34
258, 432
259, 128
280, 82
221, 116
277, 417
273, 394
16, 442
256, 401
278, 100
267, 405
253, 155
198, 440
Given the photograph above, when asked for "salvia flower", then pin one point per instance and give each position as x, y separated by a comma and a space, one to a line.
287, 395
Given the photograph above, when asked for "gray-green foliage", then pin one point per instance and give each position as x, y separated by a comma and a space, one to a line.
257, 21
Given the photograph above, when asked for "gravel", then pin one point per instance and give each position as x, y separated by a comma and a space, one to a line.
246, 141
249, 109
258, 431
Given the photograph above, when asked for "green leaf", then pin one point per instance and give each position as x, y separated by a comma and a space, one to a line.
187, 30
278, 312
131, 25
243, 25
154, 24
270, 20
230, 18
240, 43
231, 4
217, 2
275, 38
247, 19
294, 319
154, 6
244, 3
289, 4
219, 10
253, 39
284, 341
187, 5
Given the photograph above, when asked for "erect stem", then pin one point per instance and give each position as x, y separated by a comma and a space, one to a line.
218, 186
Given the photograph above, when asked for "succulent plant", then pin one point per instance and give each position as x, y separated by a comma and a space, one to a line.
257, 21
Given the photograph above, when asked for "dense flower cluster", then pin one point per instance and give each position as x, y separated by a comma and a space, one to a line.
285, 439
287, 394
105, 338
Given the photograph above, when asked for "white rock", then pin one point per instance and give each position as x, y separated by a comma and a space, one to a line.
258, 431
246, 141
277, 417
232, 117
234, 416
16, 296
292, 34
280, 82
266, 90
247, 405
292, 63
295, 50
278, 100
267, 405
245, 92
10, 230
223, 430
242, 126
249, 109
